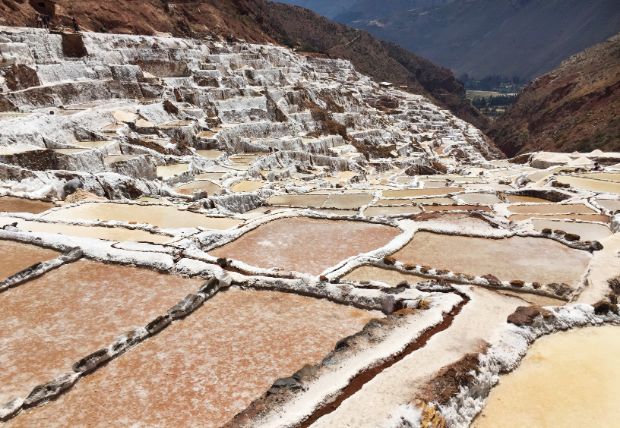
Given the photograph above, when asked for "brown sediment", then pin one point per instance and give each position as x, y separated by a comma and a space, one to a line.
391, 211
207, 367
347, 200
312, 201
359, 380
435, 208
404, 193
584, 217
551, 209
14, 205
52, 321
198, 186
15, 257
304, 244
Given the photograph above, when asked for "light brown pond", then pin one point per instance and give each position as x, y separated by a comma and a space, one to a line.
169, 171
93, 144
568, 379
158, 215
312, 201
247, 186
98, 232
609, 176
584, 217
15, 205
590, 184
391, 211
15, 257
52, 321
347, 200
609, 204
528, 259
551, 209
435, 208
210, 154
306, 245
205, 369
518, 199
406, 193
388, 276
199, 186
587, 231
479, 198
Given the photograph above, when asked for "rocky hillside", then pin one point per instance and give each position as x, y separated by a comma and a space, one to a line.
525, 38
257, 21
574, 107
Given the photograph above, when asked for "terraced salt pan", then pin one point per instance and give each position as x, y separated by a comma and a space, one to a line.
478, 198
609, 204
583, 217
587, 231
590, 184
437, 208
609, 176
14, 205
391, 211
15, 257
199, 186
169, 171
92, 144
551, 209
527, 259
210, 154
52, 321
389, 276
306, 245
208, 367
247, 186
98, 232
157, 215
515, 199
410, 193
70, 151
568, 379
347, 200
311, 201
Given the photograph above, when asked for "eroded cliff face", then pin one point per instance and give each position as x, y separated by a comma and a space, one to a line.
572, 108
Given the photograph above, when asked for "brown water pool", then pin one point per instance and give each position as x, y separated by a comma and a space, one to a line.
306, 245
388, 276
205, 369
528, 259
14, 205
15, 257
52, 321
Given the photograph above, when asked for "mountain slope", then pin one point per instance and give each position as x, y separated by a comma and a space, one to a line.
524, 38
574, 107
261, 21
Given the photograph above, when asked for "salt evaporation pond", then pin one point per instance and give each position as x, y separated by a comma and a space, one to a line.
551, 209
198, 186
347, 200
583, 217
98, 232
310, 201
17, 205
15, 257
406, 193
168, 171
208, 367
527, 259
247, 186
568, 379
391, 211
389, 276
590, 184
163, 216
54, 320
306, 245
586, 231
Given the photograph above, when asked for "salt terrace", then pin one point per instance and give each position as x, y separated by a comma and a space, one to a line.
198, 232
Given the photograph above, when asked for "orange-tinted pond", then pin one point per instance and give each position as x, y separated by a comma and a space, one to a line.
306, 245
15, 205
52, 321
205, 369
15, 257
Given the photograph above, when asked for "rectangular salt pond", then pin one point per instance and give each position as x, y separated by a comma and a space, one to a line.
168, 171
52, 321
98, 232
551, 209
528, 259
391, 211
567, 379
15, 205
389, 276
586, 231
410, 193
590, 184
207, 368
15, 257
199, 186
304, 244
163, 216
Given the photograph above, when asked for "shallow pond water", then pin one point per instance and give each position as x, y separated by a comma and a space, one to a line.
247, 186
163, 216
528, 259
405, 193
15, 257
15, 205
209, 366
590, 184
199, 186
306, 245
72, 311
389, 276
551, 209
568, 379
169, 171
587, 231
391, 211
